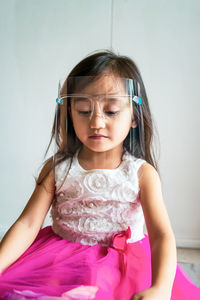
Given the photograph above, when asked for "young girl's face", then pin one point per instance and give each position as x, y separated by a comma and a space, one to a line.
102, 114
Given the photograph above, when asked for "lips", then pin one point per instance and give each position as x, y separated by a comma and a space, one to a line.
97, 136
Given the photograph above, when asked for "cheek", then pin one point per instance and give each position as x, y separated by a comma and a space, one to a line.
125, 125
74, 119
126, 120
75, 122
121, 129
79, 127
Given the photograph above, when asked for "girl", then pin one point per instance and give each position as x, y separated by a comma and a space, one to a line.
102, 183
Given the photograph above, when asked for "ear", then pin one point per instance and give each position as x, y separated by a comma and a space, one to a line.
133, 124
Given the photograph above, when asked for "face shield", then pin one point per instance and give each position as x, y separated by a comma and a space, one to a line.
105, 97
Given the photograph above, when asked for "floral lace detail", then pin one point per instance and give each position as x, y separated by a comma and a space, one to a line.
93, 205
96, 182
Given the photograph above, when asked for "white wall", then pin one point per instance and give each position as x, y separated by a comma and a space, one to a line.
42, 40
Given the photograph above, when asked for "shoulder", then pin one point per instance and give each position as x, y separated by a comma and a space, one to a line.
152, 202
147, 176
46, 177
151, 197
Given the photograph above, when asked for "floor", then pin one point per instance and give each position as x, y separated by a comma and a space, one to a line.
188, 255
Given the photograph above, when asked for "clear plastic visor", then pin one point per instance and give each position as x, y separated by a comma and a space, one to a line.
96, 101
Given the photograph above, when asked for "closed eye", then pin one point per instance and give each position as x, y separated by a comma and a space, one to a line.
112, 113
84, 112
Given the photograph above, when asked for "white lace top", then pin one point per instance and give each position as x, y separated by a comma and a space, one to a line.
93, 205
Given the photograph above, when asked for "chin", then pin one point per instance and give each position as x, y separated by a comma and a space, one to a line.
100, 147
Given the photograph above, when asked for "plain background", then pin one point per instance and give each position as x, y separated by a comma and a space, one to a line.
42, 40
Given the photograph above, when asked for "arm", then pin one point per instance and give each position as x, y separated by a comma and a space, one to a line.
162, 241
23, 232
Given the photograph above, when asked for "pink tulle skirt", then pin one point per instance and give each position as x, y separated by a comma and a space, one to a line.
55, 268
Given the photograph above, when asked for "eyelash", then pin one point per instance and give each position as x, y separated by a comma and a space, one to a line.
84, 112
110, 113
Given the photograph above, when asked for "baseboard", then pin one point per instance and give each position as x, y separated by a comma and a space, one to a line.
188, 243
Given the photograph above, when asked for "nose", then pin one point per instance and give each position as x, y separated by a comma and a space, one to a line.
97, 121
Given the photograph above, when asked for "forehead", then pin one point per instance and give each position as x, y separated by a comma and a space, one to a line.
105, 84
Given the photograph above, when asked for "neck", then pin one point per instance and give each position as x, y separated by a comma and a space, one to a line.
110, 159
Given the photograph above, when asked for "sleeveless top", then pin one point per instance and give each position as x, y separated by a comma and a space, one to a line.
93, 205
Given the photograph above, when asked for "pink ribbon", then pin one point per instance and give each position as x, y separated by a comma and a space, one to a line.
119, 243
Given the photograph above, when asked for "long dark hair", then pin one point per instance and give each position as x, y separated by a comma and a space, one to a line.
94, 65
